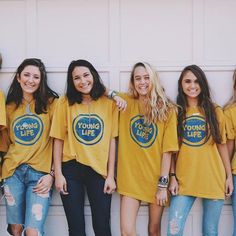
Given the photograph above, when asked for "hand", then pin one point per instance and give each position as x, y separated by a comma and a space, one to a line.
174, 186
44, 184
109, 186
120, 103
60, 184
229, 187
161, 196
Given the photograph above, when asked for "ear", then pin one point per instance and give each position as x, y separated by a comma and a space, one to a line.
18, 77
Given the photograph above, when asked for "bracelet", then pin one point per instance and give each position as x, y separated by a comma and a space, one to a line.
52, 173
112, 94
172, 174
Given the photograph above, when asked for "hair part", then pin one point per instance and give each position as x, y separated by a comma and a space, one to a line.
204, 102
73, 95
43, 95
157, 104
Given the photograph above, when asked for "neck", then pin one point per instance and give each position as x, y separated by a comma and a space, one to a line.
192, 102
86, 99
28, 98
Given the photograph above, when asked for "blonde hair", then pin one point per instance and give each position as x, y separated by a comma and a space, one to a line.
232, 100
157, 105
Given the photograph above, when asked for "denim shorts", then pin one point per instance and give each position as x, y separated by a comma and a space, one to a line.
23, 206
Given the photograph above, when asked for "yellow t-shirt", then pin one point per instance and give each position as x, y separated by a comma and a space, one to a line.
3, 146
199, 167
140, 151
86, 131
230, 116
29, 137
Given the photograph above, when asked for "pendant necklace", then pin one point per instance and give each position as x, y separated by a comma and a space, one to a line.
27, 108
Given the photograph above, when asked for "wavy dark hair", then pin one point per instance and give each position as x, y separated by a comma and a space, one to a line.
204, 102
43, 95
75, 96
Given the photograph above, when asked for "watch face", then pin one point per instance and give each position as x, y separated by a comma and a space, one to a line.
163, 179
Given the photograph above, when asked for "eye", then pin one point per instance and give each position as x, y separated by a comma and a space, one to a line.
86, 75
146, 77
137, 78
76, 78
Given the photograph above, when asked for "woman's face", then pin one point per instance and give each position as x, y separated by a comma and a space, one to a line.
29, 80
82, 79
190, 85
142, 82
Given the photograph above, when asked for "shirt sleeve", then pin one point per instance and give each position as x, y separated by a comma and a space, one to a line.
221, 121
230, 131
59, 121
2, 109
170, 138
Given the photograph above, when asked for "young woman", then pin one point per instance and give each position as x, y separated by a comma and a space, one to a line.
230, 114
147, 137
27, 163
84, 128
202, 164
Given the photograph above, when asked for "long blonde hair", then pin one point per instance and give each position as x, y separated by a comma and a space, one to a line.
157, 104
232, 100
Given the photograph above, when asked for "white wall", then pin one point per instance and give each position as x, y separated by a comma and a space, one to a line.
113, 35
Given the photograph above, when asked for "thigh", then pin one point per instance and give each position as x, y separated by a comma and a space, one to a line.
100, 203
180, 207
128, 214
14, 192
211, 216
73, 203
37, 205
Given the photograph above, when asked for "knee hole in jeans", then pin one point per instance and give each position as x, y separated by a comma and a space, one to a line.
174, 226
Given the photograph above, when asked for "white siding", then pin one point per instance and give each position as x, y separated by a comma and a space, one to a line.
113, 35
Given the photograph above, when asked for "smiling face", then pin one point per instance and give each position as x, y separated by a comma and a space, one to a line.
82, 79
29, 80
142, 82
190, 85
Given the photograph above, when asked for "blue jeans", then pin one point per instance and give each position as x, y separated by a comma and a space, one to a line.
234, 204
23, 206
180, 207
80, 177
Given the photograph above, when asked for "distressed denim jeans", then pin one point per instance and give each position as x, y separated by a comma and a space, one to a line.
23, 206
180, 207
234, 204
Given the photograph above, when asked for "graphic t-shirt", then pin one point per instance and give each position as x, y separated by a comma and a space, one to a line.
140, 151
86, 131
230, 115
199, 167
29, 137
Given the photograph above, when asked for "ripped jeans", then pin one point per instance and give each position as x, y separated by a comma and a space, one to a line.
180, 207
23, 206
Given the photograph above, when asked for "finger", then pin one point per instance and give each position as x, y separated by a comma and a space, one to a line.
65, 187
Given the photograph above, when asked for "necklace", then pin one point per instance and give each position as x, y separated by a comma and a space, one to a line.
27, 108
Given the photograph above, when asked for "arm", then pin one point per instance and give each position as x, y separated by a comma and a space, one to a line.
60, 181
110, 185
230, 145
173, 186
161, 195
120, 102
222, 148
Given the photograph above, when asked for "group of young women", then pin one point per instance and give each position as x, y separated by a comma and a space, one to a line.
183, 148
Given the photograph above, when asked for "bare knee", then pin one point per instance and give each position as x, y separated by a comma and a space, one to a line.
31, 232
128, 231
16, 229
154, 229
